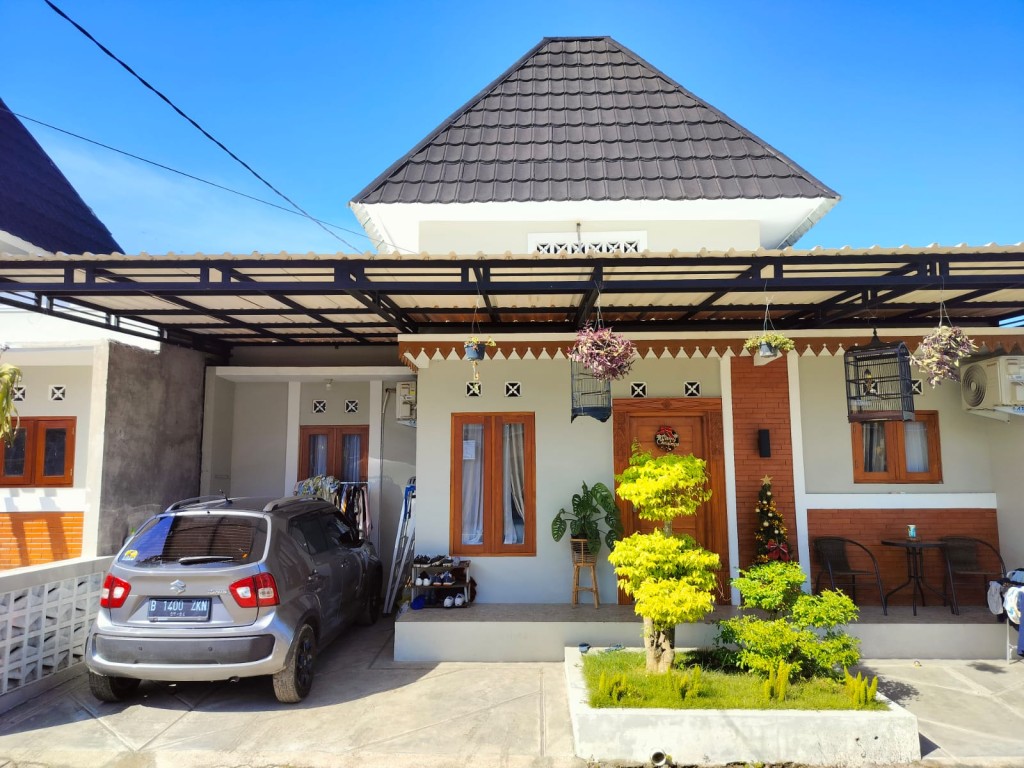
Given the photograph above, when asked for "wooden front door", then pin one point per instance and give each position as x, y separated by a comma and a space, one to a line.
698, 422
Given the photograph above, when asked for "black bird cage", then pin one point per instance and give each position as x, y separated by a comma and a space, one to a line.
591, 396
878, 383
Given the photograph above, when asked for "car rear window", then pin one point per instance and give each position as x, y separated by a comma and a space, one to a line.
206, 539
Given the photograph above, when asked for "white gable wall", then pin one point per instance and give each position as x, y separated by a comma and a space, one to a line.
673, 225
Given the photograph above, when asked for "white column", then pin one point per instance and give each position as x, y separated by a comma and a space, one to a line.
94, 454
796, 438
291, 440
728, 446
375, 458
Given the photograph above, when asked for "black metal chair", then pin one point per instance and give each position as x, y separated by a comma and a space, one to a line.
970, 557
834, 559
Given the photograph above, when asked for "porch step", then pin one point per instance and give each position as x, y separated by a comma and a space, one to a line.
528, 632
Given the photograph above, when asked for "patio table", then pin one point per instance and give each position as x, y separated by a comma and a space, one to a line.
915, 570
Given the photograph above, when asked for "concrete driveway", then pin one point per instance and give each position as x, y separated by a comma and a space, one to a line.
367, 709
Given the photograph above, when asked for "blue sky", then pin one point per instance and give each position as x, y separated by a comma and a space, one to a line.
912, 111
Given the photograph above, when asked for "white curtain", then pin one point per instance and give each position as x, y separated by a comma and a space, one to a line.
351, 454
317, 455
473, 484
873, 433
513, 496
915, 438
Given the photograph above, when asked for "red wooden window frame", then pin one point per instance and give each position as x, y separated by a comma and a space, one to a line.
493, 469
35, 429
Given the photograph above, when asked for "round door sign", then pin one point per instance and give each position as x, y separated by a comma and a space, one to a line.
666, 438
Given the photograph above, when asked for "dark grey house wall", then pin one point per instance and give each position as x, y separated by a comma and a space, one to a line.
153, 436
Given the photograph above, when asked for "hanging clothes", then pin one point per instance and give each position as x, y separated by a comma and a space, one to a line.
355, 509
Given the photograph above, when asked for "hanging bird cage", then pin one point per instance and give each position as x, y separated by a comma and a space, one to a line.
878, 383
591, 396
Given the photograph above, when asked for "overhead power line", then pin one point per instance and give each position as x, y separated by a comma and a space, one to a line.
197, 126
183, 173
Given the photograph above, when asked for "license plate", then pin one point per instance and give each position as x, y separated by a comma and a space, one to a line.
179, 609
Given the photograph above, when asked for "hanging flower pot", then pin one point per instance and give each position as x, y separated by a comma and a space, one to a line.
606, 354
769, 343
475, 351
940, 353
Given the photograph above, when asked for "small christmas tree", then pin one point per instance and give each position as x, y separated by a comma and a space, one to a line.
771, 531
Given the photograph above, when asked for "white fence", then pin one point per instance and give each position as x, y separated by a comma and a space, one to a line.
45, 615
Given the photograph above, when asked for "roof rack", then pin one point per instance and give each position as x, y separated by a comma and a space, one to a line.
196, 499
288, 501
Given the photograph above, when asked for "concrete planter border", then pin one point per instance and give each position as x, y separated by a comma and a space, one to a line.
843, 739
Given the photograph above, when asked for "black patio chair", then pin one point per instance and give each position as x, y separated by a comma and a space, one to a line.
834, 559
972, 558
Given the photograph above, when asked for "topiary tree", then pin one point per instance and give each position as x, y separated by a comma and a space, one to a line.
10, 377
671, 578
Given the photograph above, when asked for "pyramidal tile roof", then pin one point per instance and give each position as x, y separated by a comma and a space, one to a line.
587, 119
37, 203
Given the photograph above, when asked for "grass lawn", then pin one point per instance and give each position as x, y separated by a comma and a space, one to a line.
631, 687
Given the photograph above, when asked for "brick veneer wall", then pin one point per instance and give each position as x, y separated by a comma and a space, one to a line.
870, 526
760, 400
33, 538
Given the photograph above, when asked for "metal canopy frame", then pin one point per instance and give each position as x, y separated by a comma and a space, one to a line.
216, 303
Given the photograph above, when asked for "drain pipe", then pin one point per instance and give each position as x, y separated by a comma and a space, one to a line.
659, 759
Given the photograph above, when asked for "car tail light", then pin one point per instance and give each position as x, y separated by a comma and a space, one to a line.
115, 592
259, 590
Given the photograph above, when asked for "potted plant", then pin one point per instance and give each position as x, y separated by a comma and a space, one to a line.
769, 343
940, 353
590, 508
476, 346
10, 377
606, 354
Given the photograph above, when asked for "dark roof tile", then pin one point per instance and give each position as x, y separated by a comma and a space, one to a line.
590, 112
38, 204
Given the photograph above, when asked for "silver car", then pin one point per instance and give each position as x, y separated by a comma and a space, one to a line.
218, 588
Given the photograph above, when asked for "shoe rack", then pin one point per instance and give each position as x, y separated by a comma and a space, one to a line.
436, 593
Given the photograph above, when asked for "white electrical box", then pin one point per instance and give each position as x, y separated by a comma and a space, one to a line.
405, 402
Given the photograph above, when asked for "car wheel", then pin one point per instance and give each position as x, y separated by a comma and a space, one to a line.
372, 607
294, 682
112, 689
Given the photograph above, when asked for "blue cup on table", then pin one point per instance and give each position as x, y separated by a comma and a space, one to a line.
911, 531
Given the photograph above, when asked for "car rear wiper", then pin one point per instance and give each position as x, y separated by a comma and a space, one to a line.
205, 559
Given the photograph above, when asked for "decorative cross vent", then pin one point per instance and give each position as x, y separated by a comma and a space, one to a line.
691, 389
917, 386
351, 406
638, 389
58, 392
473, 389
319, 406
18, 393
603, 246
513, 389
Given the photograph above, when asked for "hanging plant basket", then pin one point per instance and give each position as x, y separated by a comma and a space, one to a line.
769, 343
475, 351
940, 354
606, 354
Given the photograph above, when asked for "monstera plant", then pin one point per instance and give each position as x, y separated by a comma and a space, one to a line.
591, 508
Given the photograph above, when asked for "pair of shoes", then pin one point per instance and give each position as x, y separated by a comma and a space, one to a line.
447, 579
423, 580
436, 560
438, 579
421, 560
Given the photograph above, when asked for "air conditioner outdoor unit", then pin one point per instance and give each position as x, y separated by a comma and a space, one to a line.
405, 402
996, 384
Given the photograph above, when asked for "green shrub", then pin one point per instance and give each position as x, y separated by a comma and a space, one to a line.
777, 684
804, 630
773, 587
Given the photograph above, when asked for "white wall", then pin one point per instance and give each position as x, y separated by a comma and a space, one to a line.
218, 431
1006, 457
258, 439
828, 453
568, 454
440, 237
336, 396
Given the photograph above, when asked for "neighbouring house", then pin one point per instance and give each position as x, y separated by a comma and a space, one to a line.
582, 183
